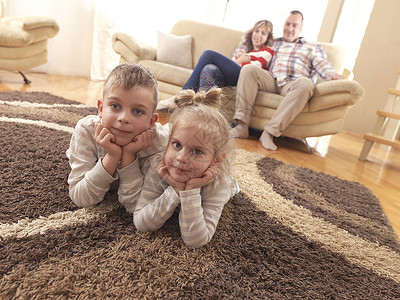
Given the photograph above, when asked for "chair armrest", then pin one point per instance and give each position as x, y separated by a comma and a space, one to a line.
334, 93
32, 23
131, 49
24, 31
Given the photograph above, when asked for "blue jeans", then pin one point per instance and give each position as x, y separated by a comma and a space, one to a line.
228, 68
211, 76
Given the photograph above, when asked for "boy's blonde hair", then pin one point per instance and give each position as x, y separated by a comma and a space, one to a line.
129, 76
201, 110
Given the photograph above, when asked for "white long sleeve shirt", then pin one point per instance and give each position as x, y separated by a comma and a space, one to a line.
200, 209
89, 181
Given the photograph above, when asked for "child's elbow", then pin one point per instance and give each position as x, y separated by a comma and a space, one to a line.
195, 243
140, 226
75, 199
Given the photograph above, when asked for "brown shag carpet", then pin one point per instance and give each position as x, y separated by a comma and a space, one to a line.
290, 233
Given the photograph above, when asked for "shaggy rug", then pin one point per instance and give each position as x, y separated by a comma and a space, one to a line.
290, 233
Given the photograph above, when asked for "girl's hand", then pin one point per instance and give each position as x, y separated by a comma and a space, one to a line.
106, 139
209, 176
164, 174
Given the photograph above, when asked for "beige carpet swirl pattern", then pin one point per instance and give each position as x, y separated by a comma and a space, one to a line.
290, 233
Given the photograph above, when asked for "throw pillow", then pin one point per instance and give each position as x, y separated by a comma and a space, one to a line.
175, 50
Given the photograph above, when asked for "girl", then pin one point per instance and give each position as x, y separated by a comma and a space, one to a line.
215, 69
192, 174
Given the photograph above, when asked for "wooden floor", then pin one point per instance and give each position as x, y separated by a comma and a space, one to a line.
336, 155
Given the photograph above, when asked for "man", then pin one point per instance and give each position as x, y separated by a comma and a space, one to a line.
295, 63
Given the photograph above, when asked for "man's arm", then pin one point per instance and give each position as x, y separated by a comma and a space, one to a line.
322, 66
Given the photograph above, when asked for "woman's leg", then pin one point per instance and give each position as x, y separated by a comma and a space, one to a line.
211, 76
229, 69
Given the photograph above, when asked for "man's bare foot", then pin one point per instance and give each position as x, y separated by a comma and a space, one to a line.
240, 131
267, 141
166, 104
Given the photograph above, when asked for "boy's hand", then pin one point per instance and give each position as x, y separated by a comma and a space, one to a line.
106, 139
163, 172
208, 176
141, 141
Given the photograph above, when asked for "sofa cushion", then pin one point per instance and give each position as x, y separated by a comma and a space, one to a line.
167, 73
175, 50
208, 36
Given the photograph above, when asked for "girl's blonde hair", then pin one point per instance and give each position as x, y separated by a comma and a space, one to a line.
201, 110
246, 41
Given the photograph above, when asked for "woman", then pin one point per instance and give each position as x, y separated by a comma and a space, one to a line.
215, 69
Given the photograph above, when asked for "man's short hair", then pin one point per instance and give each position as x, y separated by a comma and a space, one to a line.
297, 12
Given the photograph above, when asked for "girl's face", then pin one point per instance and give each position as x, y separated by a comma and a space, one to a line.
127, 113
188, 154
259, 37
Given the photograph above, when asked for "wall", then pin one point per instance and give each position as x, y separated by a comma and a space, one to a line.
377, 65
331, 18
70, 51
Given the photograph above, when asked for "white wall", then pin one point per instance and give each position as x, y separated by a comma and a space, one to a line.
70, 51
377, 65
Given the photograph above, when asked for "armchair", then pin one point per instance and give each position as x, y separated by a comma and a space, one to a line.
23, 41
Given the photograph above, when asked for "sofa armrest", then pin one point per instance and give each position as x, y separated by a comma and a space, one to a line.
131, 49
347, 74
334, 93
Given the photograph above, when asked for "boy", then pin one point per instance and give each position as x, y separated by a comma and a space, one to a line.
116, 143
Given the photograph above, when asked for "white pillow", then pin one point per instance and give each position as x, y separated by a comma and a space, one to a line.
175, 50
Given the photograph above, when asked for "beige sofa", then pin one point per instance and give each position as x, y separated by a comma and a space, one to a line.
323, 115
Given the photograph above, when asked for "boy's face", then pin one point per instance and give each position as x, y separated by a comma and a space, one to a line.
188, 154
127, 113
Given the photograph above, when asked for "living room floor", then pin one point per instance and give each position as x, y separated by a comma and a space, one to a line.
336, 155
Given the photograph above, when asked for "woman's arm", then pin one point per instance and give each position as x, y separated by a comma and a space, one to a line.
260, 57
